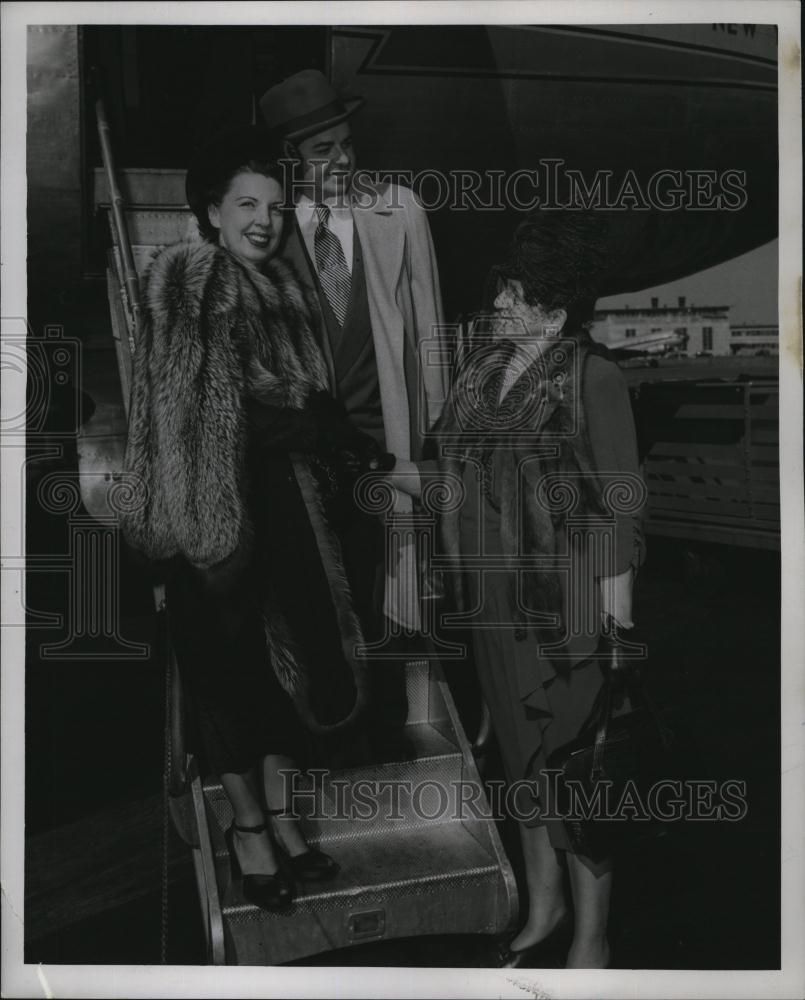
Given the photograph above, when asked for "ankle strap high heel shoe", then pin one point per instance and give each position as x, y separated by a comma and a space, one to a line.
311, 865
270, 892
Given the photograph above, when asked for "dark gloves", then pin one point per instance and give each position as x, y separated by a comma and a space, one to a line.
356, 450
321, 427
326, 408
281, 428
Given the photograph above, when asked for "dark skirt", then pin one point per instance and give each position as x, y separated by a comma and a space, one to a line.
237, 711
534, 708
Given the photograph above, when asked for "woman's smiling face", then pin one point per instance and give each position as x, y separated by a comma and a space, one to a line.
249, 218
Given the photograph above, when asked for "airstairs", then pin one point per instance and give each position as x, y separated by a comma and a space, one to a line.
418, 851
411, 864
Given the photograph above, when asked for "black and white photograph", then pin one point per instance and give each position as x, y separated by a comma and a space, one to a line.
402, 539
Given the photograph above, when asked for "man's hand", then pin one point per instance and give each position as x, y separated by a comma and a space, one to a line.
405, 477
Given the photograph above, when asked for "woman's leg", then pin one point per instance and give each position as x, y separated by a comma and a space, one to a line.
591, 886
255, 852
277, 794
546, 901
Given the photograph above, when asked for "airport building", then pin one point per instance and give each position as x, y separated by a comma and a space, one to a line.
754, 338
681, 329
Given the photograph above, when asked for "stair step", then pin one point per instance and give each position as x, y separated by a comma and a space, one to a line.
354, 805
420, 740
397, 884
356, 802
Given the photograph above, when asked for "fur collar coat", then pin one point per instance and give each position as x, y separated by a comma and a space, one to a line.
538, 442
214, 336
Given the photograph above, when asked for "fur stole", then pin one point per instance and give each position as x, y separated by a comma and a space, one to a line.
538, 442
213, 334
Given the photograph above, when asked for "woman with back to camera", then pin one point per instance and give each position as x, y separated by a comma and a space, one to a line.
237, 449
524, 407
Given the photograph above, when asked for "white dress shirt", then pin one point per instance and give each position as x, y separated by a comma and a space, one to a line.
340, 224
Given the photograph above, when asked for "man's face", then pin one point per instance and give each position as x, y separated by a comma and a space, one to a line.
328, 162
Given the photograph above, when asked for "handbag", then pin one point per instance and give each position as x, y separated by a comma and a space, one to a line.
602, 781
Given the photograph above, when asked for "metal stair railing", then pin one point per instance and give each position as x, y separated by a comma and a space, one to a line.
185, 799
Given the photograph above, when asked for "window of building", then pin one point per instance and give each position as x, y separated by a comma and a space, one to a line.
707, 338
631, 332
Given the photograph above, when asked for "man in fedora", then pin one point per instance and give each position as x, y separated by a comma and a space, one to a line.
368, 256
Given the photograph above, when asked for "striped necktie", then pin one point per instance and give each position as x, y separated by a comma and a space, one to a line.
332, 265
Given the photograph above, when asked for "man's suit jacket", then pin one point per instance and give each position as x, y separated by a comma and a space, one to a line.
405, 309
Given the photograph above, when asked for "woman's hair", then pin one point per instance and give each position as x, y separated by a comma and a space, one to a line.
248, 149
559, 257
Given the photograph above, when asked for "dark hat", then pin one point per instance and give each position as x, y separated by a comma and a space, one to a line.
558, 255
305, 104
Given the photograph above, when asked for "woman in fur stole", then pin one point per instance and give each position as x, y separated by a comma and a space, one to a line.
243, 461
538, 429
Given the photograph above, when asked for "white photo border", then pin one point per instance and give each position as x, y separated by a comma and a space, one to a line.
20, 980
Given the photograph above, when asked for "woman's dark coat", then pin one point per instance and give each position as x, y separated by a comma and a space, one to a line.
554, 464
222, 429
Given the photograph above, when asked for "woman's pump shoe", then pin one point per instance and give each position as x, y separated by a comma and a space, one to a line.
544, 949
269, 892
311, 865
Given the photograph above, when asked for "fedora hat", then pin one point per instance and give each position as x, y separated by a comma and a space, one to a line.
305, 104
